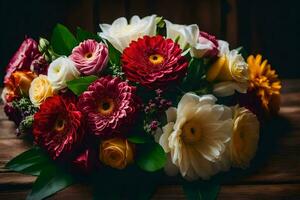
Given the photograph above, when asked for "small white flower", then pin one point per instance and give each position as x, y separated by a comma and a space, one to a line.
196, 136
120, 34
187, 34
60, 71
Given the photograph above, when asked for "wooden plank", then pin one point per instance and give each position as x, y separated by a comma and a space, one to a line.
8, 129
241, 192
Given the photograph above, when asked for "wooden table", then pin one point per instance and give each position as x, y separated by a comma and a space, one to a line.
276, 177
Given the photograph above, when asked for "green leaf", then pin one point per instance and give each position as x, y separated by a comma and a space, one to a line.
196, 70
62, 40
78, 86
51, 180
82, 35
114, 55
29, 162
242, 51
204, 190
138, 139
151, 157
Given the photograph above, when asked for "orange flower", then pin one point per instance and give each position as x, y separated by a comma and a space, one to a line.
18, 84
265, 83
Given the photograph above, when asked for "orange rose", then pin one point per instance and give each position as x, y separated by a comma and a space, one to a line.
18, 84
116, 152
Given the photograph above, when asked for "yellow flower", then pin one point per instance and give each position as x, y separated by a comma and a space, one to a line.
245, 135
40, 89
230, 72
116, 152
264, 81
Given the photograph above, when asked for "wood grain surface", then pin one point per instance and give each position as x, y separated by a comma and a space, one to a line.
274, 173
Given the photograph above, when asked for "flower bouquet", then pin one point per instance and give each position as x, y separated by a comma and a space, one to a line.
140, 100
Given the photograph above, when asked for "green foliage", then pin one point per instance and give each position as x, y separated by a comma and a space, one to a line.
24, 106
26, 124
114, 55
161, 26
62, 40
201, 190
51, 180
29, 162
243, 51
82, 35
138, 139
78, 86
195, 81
151, 157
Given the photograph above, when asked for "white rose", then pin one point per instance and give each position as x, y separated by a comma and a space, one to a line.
120, 34
196, 136
187, 34
60, 71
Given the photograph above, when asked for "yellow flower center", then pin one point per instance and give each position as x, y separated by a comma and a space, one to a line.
56, 69
156, 59
191, 132
59, 125
106, 106
88, 55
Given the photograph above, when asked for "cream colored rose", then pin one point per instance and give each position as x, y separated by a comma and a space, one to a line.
61, 71
121, 33
245, 136
230, 72
116, 152
40, 89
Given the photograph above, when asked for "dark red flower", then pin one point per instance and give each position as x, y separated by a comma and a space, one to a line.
58, 126
154, 62
27, 57
110, 104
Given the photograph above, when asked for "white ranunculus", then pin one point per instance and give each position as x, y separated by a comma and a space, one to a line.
120, 34
223, 47
60, 71
187, 34
196, 136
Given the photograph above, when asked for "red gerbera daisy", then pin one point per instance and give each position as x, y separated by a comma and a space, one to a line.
154, 62
109, 104
58, 126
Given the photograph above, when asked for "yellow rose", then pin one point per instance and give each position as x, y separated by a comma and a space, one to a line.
231, 73
40, 89
116, 152
245, 137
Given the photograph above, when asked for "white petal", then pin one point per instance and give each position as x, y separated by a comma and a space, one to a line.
227, 88
171, 114
223, 47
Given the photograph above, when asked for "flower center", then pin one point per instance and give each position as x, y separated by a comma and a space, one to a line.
156, 59
106, 106
88, 55
191, 132
59, 125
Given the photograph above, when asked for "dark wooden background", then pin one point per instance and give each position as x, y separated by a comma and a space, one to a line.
262, 26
